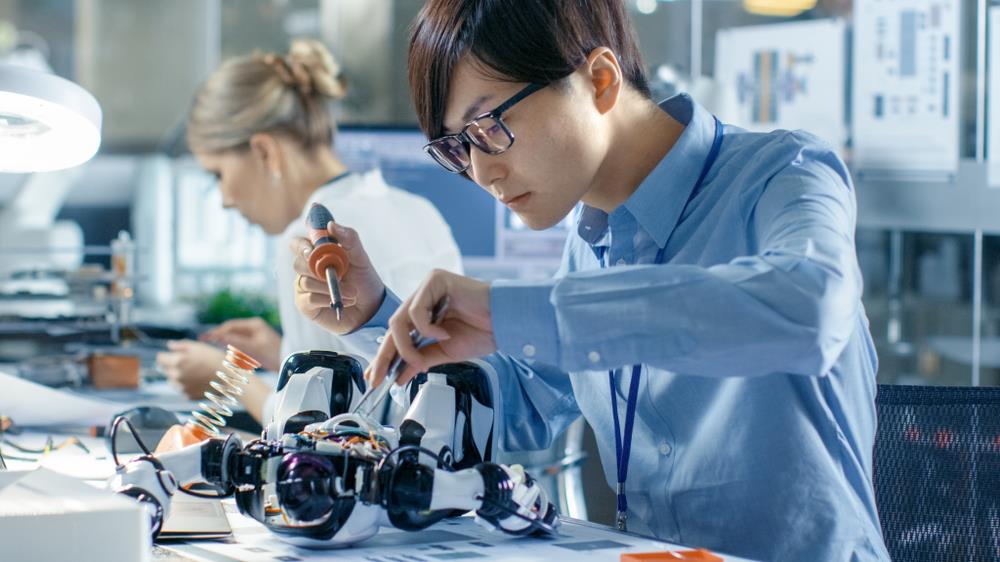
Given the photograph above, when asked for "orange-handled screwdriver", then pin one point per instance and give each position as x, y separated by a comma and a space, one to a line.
327, 259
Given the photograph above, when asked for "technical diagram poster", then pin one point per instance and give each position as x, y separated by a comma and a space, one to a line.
784, 76
993, 100
906, 75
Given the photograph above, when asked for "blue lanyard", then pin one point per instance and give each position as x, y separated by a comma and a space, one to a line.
623, 446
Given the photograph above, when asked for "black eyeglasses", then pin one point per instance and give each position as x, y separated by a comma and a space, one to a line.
487, 132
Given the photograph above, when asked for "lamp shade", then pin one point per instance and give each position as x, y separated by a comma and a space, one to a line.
46, 122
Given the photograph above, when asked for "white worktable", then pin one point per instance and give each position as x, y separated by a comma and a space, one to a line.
450, 540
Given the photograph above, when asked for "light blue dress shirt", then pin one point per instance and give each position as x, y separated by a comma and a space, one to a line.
756, 419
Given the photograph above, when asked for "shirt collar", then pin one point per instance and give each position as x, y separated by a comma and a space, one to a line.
660, 198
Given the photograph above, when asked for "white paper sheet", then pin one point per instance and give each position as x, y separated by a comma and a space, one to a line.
784, 76
31, 404
906, 86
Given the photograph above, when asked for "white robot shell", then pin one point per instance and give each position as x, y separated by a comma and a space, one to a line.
362, 524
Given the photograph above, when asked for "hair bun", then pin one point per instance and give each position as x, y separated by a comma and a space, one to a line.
315, 69
310, 68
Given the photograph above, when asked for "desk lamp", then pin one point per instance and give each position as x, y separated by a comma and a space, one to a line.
47, 123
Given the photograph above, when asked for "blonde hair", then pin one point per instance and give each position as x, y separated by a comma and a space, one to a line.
287, 94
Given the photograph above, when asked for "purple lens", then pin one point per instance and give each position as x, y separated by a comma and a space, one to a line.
489, 135
450, 152
304, 486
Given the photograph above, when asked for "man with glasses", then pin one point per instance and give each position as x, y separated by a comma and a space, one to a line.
707, 320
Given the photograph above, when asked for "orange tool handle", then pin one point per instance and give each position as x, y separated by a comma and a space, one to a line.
327, 251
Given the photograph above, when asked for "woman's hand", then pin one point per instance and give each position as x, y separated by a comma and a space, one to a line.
465, 330
361, 288
190, 365
253, 336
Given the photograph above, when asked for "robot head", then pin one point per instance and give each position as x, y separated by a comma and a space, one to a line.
314, 386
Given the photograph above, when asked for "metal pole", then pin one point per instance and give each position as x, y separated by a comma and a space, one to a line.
213, 34
894, 326
696, 31
977, 305
981, 54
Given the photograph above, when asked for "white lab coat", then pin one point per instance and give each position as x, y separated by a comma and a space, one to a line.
405, 237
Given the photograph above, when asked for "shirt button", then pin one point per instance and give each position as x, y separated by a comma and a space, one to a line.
528, 350
621, 261
594, 356
379, 340
665, 448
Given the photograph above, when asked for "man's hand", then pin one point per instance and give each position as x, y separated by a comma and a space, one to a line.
464, 332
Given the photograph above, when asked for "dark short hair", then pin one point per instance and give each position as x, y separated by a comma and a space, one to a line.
540, 41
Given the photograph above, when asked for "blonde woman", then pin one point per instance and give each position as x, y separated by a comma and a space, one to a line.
262, 125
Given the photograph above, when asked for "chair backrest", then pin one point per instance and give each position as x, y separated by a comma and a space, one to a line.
937, 472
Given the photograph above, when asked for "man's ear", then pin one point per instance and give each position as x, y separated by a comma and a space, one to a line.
605, 77
267, 151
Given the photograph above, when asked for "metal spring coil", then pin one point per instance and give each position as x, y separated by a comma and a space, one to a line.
234, 375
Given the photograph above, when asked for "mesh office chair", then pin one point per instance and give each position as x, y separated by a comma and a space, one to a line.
937, 472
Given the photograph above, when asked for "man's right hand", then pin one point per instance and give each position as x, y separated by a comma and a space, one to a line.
362, 289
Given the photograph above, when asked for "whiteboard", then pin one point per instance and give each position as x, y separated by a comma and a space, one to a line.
784, 76
905, 95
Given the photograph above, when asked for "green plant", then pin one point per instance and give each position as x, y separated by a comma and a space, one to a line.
226, 305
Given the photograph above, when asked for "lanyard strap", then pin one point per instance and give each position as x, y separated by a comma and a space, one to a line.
623, 450
623, 442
